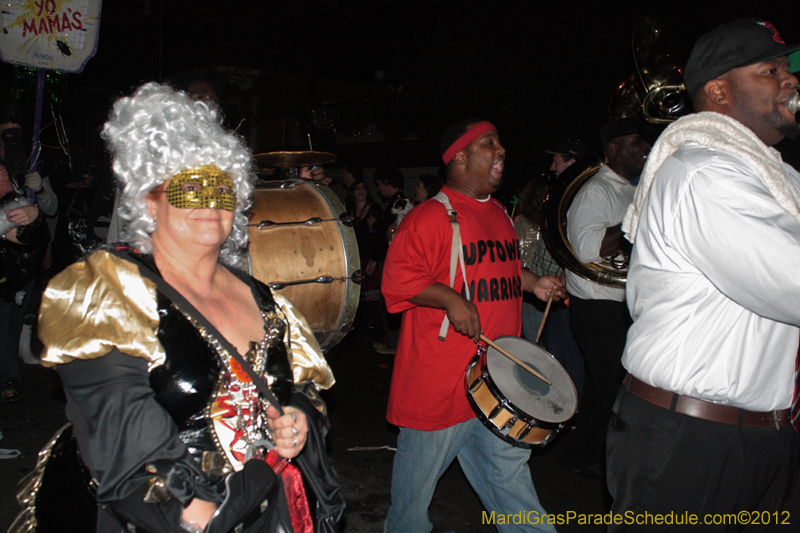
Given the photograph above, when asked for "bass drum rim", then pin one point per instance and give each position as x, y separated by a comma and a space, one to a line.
347, 312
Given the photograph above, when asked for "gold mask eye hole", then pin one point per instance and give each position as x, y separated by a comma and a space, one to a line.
202, 188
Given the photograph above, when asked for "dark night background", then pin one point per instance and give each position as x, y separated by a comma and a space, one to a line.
541, 71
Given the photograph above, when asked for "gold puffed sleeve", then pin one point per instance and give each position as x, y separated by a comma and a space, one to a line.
96, 305
307, 360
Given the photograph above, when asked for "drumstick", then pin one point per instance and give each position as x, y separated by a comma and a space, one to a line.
544, 317
488, 341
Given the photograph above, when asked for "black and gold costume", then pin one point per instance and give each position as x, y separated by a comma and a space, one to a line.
158, 405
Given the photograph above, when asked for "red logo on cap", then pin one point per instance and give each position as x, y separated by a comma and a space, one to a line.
775, 35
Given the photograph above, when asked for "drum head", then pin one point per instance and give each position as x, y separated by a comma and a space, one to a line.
548, 403
290, 254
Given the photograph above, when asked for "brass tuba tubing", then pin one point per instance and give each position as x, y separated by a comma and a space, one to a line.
554, 228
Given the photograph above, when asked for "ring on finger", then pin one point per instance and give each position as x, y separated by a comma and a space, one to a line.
295, 432
294, 442
294, 416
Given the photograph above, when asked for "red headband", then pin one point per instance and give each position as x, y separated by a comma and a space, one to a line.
471, 134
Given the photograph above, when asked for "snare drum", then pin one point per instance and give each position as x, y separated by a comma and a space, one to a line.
303, 246
514, 404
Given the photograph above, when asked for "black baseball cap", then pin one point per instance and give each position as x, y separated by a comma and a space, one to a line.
571, 147
619, 128
736, 44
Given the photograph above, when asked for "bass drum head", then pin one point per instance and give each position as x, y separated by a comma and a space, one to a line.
554, 403
287, 250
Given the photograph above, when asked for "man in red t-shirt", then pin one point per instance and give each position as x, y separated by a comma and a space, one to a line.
428, 394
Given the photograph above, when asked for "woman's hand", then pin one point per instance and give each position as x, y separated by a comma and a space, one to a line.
197, 514
22, 216
289, 431
547, 284
542, 286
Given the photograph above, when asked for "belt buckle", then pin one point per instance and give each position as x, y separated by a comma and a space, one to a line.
777, 419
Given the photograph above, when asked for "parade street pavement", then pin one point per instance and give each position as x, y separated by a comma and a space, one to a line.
357, 406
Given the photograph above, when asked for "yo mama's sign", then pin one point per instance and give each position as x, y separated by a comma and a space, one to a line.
54, 34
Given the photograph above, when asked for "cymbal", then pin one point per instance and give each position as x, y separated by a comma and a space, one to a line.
293, 159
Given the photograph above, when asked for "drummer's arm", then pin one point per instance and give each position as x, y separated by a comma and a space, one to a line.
462, 313
541, 286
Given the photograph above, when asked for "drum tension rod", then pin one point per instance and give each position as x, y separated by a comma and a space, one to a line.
266, 224
278, 285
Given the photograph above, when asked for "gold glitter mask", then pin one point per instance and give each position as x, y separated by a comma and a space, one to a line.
201, 188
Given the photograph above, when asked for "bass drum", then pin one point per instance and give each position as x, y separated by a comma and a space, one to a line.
303, 246
514, 404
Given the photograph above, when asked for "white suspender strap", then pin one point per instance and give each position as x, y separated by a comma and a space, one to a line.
456, 257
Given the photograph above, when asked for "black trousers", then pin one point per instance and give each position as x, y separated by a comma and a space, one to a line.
661, 462
600, 328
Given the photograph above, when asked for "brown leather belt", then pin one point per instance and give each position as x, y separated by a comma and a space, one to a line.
713, 412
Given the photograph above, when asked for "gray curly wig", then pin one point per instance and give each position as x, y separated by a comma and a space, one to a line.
158, 132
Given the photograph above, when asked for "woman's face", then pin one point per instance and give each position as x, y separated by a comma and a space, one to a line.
420, 193
200, 218
360, 192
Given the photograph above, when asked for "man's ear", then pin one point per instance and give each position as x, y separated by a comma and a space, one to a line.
612, 149
460, 158
718, 92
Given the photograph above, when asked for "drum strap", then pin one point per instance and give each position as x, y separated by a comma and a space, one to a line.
456, 257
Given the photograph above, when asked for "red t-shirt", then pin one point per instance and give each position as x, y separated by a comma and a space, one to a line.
429, 381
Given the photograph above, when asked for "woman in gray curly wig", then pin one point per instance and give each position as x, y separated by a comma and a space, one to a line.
157, 133
148, 341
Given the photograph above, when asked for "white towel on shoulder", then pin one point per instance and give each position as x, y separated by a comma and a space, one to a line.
723, 133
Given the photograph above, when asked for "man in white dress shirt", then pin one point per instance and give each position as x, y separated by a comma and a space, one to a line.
598, 315
703, 422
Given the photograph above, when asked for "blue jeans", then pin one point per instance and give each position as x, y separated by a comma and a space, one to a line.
557, 339
531, 318
497, 471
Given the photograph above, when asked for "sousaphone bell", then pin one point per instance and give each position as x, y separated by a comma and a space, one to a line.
655, 92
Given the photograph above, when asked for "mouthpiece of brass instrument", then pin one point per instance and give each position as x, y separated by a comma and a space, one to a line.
794, 103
